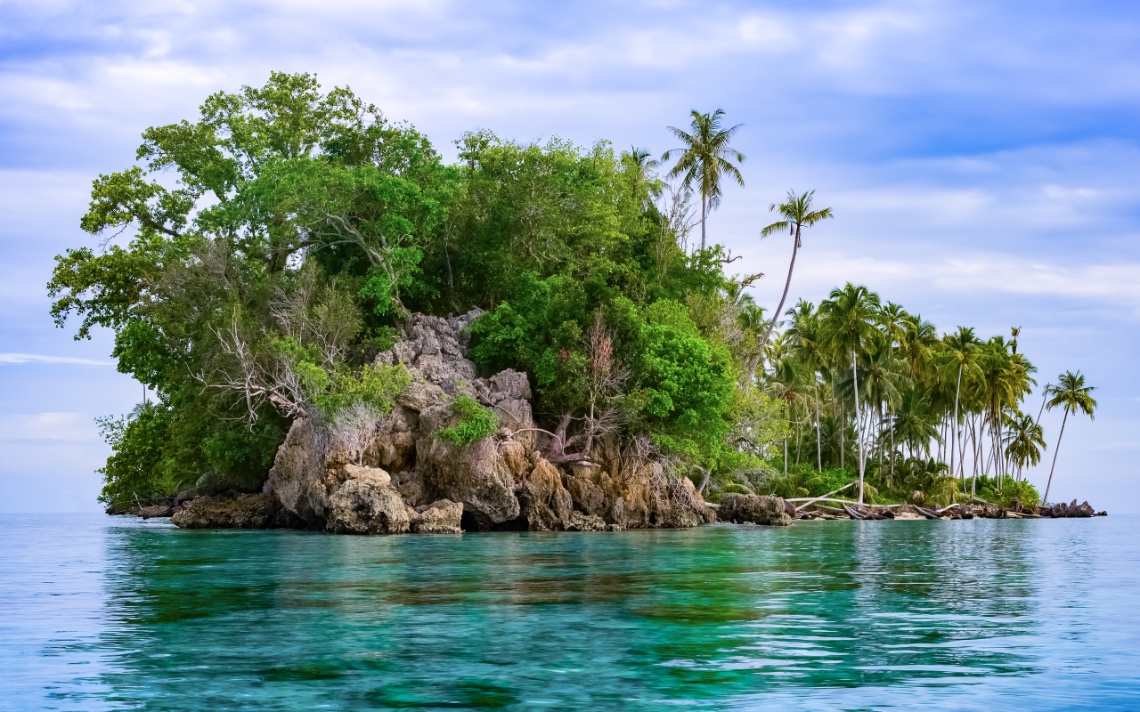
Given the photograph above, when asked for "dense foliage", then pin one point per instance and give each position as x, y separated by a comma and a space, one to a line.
256, 259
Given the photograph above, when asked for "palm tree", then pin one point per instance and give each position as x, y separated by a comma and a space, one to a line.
848, 316
798, 214
1024, 440
1072, 394
961, 356
705, 159
640, 163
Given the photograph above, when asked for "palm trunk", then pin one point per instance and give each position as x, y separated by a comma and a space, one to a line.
784, 296
957, 395
818, 439
1045, 499
704, 214
858, 438
843, 437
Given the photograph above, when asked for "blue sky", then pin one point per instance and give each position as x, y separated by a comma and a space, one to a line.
981, 158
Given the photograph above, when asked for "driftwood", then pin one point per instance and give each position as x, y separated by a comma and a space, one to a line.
824, 497
928, 513
853, 513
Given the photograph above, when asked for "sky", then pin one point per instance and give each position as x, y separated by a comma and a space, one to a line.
980, 157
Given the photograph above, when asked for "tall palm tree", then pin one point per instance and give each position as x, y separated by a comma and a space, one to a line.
797, 213
849, 321
1073, 395
961, 359
706, 157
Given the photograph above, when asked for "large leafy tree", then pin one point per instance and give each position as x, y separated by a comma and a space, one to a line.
706, 158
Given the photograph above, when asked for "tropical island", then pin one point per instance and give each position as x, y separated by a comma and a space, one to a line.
342, 332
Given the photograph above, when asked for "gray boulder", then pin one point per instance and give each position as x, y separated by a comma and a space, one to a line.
367, 503
440, 517
754, 509
250, 511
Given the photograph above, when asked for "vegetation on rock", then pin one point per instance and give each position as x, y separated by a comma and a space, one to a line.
256, 260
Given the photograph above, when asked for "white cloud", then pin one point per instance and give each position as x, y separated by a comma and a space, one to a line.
16, 358
47, 426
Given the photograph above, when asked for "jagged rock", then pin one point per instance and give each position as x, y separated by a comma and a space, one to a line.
250, 511
578, 522
433, 349
440, 517
367, 503
155, 510
476, 475
375, 475
757, 509
299, 479
411, 487
1071, 510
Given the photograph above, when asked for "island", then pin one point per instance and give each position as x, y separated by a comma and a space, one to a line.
341, 331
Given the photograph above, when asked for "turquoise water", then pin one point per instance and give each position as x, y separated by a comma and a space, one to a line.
100, 613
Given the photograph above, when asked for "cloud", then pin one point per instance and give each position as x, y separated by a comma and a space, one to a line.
15, 358
47, 426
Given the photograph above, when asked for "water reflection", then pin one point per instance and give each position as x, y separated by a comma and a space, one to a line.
716, 616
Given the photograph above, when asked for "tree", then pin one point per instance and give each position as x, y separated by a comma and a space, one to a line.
1024, 440
849, 316
1074, 396
706, 157
798, 214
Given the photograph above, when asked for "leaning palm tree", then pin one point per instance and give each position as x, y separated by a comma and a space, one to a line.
798, 214
706, 158
1073, 395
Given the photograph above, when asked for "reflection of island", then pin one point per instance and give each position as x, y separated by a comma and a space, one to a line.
707, 615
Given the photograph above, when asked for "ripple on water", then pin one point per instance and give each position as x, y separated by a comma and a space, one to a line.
107, 614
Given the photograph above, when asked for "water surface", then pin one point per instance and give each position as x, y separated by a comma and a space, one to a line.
100, 613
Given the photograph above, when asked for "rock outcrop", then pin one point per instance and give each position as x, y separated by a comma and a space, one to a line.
250, 511
409, 479
367, 503
756, 509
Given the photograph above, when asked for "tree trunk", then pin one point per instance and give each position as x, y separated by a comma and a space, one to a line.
843, 437
784, 296
818, 439
954, 432
704, 215
1060, 435
858, 438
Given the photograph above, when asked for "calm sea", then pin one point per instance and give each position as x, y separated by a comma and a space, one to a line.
100, 613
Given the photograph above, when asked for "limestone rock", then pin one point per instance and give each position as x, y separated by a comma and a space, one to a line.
299, 479
440, 517
368, 504
251, 511
476, 475
155, 510
757, 509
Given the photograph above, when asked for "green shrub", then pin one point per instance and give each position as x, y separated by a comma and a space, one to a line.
475, 422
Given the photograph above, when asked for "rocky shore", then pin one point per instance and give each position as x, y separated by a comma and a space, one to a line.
408, 479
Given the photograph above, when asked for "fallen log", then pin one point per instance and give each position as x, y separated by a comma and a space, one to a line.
928, 513
853, 513
824, 497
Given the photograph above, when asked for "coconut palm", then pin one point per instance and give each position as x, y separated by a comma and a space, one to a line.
960, 358
1074, 396
640, 163
848, 316
1024, 440
797, 213
706, 157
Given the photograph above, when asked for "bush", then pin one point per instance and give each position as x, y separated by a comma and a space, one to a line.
475, 422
